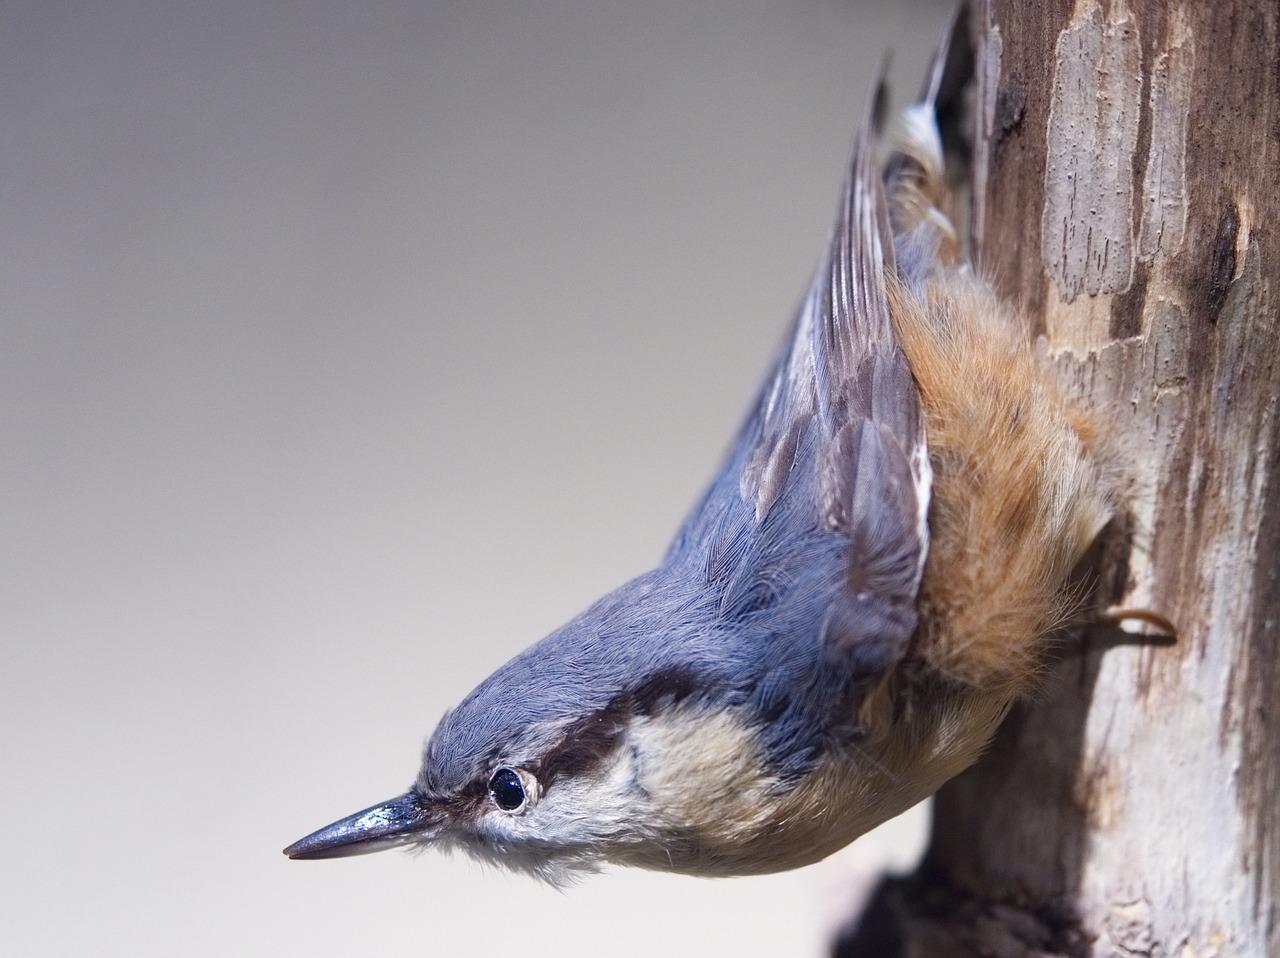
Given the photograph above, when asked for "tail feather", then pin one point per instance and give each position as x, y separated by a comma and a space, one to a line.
928, 160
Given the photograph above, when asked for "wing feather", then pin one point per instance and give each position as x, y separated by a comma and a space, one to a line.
839, 424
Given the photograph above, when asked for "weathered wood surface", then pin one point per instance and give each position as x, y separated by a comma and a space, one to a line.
1127, 197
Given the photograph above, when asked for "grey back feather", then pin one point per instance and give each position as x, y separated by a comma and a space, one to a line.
845, 383
791, 587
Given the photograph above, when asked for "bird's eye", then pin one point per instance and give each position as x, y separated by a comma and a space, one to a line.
506, 789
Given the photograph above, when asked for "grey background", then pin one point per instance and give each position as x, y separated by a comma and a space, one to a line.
346, 349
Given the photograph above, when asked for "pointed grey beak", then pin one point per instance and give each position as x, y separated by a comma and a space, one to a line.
404, 819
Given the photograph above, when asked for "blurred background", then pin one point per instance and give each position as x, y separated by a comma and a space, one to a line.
345, 349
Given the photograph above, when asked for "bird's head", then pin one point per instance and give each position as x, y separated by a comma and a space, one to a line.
592, 746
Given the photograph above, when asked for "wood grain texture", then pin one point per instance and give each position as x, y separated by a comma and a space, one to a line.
1126, 196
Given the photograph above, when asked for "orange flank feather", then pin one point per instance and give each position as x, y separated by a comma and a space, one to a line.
1020, 490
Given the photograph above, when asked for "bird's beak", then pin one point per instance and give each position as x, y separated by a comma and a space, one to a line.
406, 818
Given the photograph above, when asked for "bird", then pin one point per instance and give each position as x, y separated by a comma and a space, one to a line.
876, 574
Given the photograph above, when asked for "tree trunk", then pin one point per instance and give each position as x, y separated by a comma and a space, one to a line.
1126, 196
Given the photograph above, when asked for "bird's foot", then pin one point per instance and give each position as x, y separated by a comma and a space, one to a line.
1108, 629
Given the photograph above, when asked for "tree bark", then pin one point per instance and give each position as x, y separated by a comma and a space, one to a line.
1126, 190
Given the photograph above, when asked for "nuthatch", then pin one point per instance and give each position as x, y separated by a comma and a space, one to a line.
843, 619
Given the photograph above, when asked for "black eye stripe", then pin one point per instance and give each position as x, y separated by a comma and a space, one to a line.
587, 742
506, 789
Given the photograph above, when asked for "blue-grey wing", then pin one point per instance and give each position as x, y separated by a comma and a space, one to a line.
823, 497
